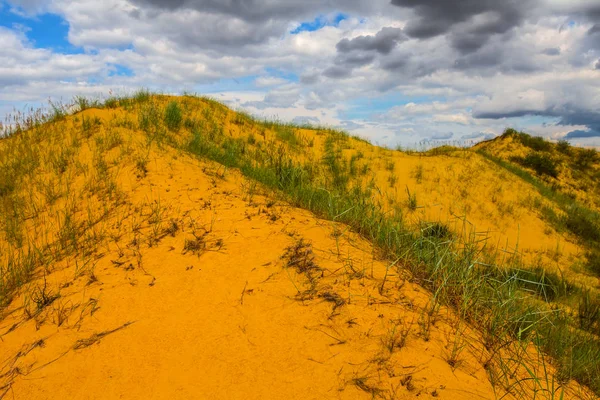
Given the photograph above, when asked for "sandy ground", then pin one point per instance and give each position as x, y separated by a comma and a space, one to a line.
230, 321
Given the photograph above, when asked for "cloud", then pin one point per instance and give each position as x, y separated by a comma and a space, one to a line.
284, 97
434, 107
579, 134
570, 103
462, 66
591, 119
29, 7
362, 50
478, 135
253, 10
22, 64
354, 60
475, 135
309, 78
383, 42
462, 119
337, 72
442, 136
350, 125
529, 102
266, 81
305, 120
551, 51
469, 23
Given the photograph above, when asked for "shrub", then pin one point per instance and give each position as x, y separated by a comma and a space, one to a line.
540, 163
564, 147
141, 96
586, 158
534, 142
412, 200
582, 224
436, 230
111, 102
173, 116
82, 102
287, 134
509, 132
589, 312
546, 285
593, 261
148, 116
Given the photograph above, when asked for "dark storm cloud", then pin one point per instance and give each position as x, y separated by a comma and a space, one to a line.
480, 60
397, 63
551, 51
591, 119
500, 56
354, 60
568, 116
592, 14
225, 34
579, 134
467, 42
383, 42
492, 60
469, 23
249, 10
337, 72
239, 26
309, 78
591, 43
503, 114
404, 64
362, 50
259, 10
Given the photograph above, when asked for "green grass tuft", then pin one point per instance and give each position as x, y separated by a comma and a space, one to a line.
173, 116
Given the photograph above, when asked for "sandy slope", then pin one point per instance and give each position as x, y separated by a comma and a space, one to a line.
228, 322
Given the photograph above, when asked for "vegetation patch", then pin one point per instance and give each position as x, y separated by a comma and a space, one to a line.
576, 218
436, 230
542, 164
533, 142
173, 116
586, 158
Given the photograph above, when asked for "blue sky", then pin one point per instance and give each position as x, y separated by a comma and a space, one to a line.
44, 31
374, 68
319, 22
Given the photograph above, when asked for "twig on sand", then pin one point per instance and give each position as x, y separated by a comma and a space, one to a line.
82, 343
243, 292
